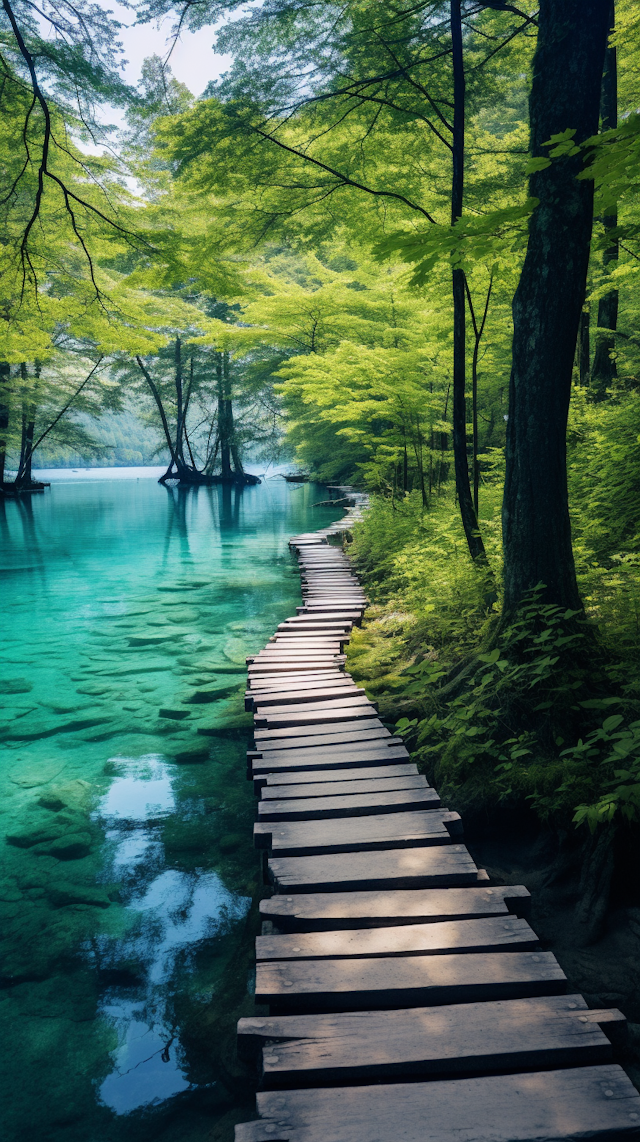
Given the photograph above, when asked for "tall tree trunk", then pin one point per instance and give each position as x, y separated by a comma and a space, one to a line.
180, 410
5, 378
163, 416
584, 348
565, 93
222, 372
604, 370
29, 409
463, 487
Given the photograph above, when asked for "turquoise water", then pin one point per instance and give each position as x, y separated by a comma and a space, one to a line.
128, 871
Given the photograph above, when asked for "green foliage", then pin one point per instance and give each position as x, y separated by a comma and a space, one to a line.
542, 710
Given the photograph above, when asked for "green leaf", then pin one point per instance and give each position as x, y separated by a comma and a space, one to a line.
490, 658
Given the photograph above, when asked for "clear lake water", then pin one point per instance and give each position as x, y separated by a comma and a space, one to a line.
128, 881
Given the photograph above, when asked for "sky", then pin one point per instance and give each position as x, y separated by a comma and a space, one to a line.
193, 60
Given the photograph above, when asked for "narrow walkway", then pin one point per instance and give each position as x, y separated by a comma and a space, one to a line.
408, 997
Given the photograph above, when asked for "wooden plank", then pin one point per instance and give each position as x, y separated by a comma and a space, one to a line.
258, 681
324, 753
287, 692
307, 642
306, 665
301, 638
300, 681
317, 734
407, 981
311, 625
425, 867
360, 755
598, 1103
348, 804
330, 714
332, 606
284, 652
328, 911
366, 1046
357, 834
313, 706
493, 934
301, 693
327, 786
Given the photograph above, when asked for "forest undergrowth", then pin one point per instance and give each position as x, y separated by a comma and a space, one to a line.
540, 712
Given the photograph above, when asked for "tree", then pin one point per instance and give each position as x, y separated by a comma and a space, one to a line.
565, 95
369, 78
604, 370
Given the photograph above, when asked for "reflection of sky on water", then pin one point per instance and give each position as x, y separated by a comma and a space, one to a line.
172, 914
144, 791
147, 1066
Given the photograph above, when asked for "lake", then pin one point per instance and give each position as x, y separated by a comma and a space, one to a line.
129, 882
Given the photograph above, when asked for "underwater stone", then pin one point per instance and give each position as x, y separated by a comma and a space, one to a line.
235, 649
61, 894
73, 846
230, 842
177, 715
212, 667
194, 756
152, 639
234, 724
32, 773
73, 795
15, 685
211, 695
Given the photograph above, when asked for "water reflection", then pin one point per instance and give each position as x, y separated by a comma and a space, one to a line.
127, 857
168, 918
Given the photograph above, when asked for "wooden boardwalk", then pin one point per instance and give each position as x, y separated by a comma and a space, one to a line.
408, 997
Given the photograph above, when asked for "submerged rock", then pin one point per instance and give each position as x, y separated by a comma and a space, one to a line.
72, 846
31, 773
212, 694
235, 649
235, 723
73, 795
15, 685
61, 894
197, 754
177, 715
152, 639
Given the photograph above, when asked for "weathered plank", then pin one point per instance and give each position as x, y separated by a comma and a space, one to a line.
369, 753
313, 706
366, 1046
328, 658
598, 1103
282, 666
301, 639
326, 785
423, 867
318, 734
315, 677
328, 911
301, 693
492, 934
307, 808
309, 691
307, 624
309, 702
359, 984
357, 834
331, 714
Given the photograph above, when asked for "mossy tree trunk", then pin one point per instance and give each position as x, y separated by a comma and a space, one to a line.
565, 93
604, 370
